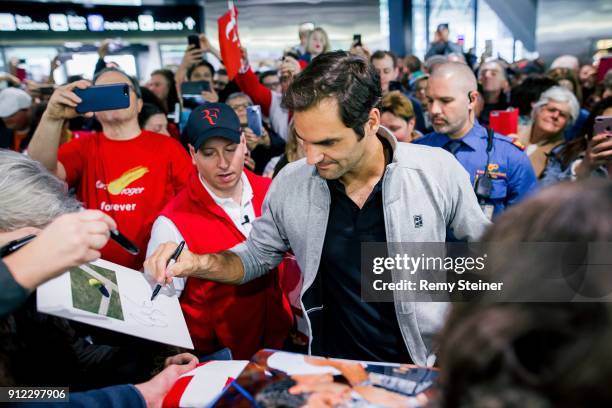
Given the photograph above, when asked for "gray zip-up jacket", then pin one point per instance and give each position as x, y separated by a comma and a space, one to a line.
420, 180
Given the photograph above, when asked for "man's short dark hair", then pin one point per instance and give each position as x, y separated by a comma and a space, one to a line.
380, 54
133, 81
350, 79
202, 63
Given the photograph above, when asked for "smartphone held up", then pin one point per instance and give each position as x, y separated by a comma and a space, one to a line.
254, 119
191, 93
106, 97
193, 40
603, 124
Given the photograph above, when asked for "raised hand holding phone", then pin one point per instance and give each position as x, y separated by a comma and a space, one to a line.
254, 119
194, 41
62, 104
599, 148
106, 97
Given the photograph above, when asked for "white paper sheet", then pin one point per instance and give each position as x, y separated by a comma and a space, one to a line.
294, 364
81, 295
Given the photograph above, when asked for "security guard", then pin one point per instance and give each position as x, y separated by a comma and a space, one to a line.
499, 170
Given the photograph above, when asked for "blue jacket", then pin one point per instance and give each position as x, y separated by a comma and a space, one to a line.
555, 172
510, 168
117, 396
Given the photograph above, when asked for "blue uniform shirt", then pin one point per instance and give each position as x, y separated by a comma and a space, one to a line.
510, 169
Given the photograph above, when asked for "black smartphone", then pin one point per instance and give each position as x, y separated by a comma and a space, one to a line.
103, 97
194, 40
603, 124
194, 88
357, 39
191, 93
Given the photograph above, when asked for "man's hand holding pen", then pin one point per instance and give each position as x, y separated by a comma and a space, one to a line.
157, 265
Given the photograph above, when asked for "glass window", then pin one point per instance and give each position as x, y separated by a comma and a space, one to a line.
172, 54
491, 30
459, 15
419, 38
85, 63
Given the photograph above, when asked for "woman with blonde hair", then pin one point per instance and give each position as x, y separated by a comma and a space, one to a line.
318, 43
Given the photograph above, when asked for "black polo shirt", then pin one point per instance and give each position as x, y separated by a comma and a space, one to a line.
349, 327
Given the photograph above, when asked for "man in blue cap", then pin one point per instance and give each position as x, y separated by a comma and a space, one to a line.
212, 213
499, 170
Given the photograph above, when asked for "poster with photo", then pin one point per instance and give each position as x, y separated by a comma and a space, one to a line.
116, 298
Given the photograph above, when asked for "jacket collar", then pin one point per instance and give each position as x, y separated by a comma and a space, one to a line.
383, 133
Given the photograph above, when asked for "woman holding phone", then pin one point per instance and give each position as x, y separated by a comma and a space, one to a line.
584, 157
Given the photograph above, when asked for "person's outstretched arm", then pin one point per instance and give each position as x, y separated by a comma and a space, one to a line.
45, 142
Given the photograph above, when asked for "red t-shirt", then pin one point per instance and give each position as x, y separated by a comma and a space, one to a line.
130, 180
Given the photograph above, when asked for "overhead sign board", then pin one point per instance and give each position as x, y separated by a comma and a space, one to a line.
23, 20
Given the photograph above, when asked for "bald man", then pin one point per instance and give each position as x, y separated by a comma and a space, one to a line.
499, 170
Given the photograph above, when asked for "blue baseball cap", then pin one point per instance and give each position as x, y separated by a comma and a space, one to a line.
212, 120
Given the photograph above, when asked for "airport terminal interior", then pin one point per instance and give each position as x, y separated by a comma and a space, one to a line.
316, 203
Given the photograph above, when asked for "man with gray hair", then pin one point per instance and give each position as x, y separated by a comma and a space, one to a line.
124, 171
30, 196
499, 171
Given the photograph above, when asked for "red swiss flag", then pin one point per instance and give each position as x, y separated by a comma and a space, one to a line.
229, 42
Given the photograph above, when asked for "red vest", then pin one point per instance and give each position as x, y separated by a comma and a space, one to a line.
244, 318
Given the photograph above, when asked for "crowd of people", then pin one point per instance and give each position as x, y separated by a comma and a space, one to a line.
354, 146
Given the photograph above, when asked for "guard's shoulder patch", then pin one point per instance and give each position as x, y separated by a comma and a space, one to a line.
518, 144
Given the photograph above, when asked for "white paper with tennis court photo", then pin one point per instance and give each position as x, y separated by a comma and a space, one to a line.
116, 298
